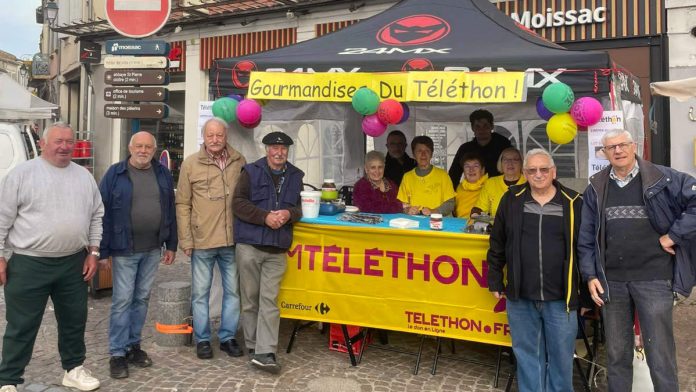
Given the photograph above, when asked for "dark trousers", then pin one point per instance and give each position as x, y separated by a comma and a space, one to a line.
652, 299
30, 282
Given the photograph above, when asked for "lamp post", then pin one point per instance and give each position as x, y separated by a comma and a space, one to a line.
50, 15
51, 12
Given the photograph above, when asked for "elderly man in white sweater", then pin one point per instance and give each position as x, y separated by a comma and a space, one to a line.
51, 225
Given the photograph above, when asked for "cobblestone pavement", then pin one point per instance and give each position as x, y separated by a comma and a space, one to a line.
309, 367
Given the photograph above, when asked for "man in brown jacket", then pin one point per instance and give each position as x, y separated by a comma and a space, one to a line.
204, 218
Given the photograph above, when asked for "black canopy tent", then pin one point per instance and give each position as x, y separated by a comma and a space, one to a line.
425, 35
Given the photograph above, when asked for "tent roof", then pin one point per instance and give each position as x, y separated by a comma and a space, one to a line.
424, 35
16, 103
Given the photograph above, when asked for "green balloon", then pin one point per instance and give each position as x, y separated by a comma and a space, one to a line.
226, 109
365, 101
558, 97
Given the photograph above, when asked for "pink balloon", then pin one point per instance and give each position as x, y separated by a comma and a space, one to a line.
248, 111
251, 126
372, 126
390, 111
586, 111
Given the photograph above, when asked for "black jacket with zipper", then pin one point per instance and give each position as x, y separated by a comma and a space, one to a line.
506, 243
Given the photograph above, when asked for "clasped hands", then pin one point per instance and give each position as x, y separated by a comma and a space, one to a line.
276, 219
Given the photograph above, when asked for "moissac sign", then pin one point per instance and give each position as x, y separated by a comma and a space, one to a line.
124, 62
139, 77
153, 94
137, 47
141, 110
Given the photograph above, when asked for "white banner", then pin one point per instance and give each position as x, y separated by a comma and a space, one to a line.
137, 5
597, 160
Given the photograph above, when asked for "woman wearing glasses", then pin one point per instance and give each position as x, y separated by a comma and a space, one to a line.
510, 164
469, 189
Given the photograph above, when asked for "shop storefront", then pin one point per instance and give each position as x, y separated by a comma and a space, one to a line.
633, 32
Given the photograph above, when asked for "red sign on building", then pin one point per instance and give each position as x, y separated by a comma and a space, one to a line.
137, 18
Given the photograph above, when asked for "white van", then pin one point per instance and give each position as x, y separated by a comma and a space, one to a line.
17, 145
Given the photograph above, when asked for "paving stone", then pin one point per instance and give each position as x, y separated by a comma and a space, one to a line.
309, 365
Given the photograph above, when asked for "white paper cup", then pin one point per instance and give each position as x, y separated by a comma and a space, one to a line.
310, 203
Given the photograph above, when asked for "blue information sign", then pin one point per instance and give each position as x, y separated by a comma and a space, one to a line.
137, 47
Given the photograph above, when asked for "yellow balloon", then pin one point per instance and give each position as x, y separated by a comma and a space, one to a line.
561, 128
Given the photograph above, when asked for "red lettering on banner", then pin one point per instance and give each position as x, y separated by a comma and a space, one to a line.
438, 322
346, 263
377, 261
328, 259
313, 250
469, 267
370, 262
395, 256
438, 275
413, 266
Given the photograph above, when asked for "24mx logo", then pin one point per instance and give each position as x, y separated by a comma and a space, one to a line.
414, 30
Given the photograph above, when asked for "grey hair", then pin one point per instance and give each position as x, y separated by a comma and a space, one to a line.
60, 124
616, 133
217, 120
374, 156
535, 152
130, 142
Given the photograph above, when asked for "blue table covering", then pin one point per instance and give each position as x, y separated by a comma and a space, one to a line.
450, 225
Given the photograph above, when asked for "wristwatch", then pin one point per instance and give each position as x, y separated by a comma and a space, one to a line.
95, 253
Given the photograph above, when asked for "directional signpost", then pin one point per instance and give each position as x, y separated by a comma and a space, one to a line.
137, 47
126, 62
135, 76
136, 110
153, 94
131, 63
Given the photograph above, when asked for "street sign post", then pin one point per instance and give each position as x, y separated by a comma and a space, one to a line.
138, 77
125, 62
137, 47
137, 18
136, 110
153, 94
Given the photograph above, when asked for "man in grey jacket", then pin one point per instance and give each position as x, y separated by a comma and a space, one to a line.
51, 223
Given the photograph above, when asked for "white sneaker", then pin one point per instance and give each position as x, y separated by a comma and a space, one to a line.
81, 379
8, 388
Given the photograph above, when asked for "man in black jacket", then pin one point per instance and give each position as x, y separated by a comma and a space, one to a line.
487, 144
533, 234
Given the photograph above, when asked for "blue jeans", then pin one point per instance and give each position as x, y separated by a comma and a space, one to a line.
543, 340
202, 262
133, 276
653, 301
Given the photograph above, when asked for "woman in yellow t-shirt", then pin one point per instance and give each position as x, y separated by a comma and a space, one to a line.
510, 164
426, 189
470, 187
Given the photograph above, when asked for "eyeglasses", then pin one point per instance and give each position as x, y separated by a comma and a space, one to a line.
612, 147
534, 170
511, 160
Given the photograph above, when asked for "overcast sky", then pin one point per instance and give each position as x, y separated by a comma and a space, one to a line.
19, 32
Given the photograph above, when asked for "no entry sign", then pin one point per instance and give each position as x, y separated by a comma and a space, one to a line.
137, 18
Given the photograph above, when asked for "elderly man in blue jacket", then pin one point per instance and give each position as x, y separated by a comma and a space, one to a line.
139, 220
638, 222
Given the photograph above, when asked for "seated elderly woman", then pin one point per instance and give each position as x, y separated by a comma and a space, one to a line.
510, 164
374, 192
469, 189
426, 189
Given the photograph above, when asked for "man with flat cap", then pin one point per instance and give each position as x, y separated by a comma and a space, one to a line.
266, 203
